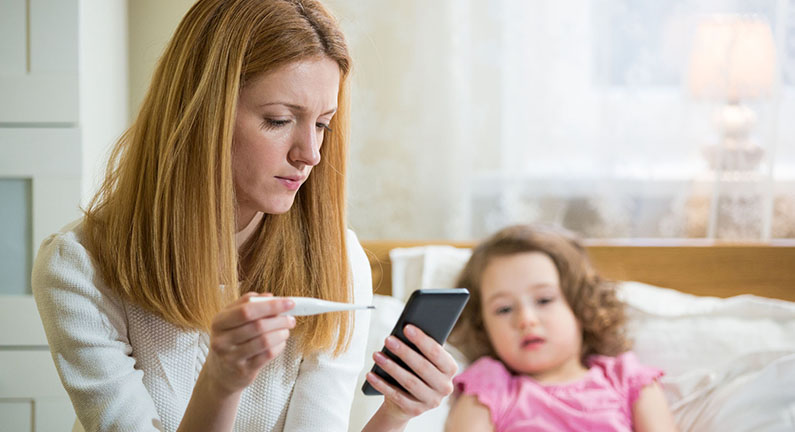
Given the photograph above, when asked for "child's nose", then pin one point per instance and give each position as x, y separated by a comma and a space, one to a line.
527, 317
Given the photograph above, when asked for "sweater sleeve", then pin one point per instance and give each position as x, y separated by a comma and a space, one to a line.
86, 329
324, 390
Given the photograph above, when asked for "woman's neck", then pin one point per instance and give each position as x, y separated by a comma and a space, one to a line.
244, 233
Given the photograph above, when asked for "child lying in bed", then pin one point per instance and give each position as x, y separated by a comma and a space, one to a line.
547, 336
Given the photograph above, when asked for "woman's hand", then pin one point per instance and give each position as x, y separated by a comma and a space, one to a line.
435, 369
244, 337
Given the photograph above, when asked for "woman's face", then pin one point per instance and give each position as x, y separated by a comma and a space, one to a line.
528, 320
281, 119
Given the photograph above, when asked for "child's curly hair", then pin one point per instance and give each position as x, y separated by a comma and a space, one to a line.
592, 298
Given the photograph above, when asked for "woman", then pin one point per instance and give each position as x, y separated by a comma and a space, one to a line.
208, 202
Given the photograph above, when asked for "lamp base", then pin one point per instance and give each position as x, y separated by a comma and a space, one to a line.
723, 158
736, 151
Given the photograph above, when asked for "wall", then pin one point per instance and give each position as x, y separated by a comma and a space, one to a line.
419, 126
151, 24
103, 84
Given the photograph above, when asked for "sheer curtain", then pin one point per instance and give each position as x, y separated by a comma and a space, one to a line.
471, 115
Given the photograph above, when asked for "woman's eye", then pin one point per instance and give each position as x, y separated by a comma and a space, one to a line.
323, 126
275, 123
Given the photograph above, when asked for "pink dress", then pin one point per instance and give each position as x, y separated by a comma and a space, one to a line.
600, 401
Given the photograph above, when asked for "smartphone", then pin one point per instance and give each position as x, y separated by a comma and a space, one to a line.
434, 311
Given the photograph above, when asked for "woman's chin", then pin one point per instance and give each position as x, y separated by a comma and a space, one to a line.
279, 207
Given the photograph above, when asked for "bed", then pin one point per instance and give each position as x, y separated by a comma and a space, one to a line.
718, 318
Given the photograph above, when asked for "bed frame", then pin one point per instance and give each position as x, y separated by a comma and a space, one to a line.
695, 267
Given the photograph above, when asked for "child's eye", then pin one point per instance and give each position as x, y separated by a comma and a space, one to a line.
545, 300
503, 310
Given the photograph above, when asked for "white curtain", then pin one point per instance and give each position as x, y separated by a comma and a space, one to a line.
470, 115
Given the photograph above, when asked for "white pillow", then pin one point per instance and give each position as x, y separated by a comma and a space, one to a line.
730, 363
425, 267
680, 333
718, 354
755, 392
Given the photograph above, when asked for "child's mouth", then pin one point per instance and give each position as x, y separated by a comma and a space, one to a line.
532, 342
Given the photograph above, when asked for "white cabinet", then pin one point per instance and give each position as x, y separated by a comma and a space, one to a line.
31, 395
40, 147
38, 61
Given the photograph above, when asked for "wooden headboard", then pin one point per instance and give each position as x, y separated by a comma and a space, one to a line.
700, 268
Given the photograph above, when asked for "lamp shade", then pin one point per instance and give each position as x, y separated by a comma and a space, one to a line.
733, 58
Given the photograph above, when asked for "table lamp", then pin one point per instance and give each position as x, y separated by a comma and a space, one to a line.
733, 61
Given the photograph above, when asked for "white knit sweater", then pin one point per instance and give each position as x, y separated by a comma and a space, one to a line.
127, 369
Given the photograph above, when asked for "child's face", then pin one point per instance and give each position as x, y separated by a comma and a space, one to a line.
529, 322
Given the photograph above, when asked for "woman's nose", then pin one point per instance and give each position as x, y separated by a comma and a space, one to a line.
306, 146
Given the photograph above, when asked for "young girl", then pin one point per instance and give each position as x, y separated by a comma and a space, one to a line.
545, 333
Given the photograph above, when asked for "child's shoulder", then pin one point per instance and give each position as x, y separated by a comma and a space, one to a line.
625, 372
484, 375
486, 367
488, 380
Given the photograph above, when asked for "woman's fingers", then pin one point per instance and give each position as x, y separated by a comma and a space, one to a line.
431, 381
428, 373
264, 343
414, 386
405, 403
432, 351
261, 359
245, 310
254, 328
246, 341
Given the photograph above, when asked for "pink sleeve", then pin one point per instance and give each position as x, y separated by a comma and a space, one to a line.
627, 374
489, 381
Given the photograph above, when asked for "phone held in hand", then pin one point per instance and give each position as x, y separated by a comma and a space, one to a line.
435, 312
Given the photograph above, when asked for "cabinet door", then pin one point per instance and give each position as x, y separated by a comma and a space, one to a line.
47, 163
50, 158
38, 61
31, 396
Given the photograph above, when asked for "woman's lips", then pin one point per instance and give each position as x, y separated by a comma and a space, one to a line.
291, 183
